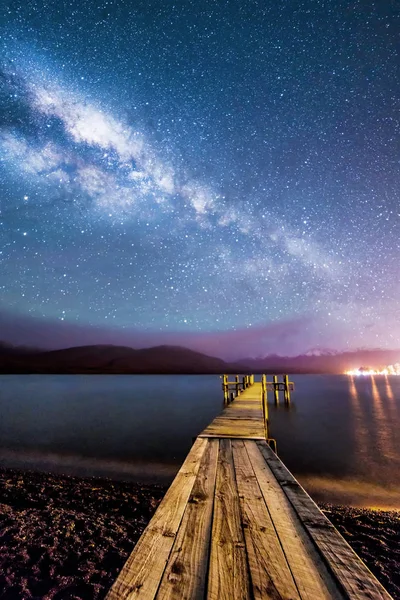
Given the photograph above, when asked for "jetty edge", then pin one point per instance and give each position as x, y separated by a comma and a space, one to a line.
235, 524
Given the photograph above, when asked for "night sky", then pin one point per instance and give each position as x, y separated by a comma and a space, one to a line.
224, 175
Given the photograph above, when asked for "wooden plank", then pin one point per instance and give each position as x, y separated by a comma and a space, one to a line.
313, 580
233, 410
269, 571
237, 405
239, 424
354, 577
232, 435
236, 422
238, 429
141, 574
243, 418
228, 577
186, 573
241, 413
235, 432
235, 418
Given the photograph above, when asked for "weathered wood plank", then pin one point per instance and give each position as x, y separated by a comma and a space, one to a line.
228, 578
270, 574
247, 408
238, 418
236, 407
141, 574
237, 425
236, 428
235, 422
185, 576
352, 574
241, 414
232, 435
243, 418
313, 580
233, 432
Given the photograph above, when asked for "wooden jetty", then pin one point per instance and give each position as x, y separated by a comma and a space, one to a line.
236, 525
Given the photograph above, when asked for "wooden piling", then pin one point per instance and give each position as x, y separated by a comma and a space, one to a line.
264, 403
225, 387
287, 388
276, 388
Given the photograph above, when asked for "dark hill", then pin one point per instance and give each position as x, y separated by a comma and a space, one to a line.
176, 359
8, 349
113, 359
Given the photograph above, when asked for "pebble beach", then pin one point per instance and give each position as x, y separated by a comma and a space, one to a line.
66, 538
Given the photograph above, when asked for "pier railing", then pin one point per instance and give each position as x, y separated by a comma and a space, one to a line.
233, 388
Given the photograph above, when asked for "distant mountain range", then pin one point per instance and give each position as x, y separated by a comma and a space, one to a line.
175, 359
108, 359
320, 361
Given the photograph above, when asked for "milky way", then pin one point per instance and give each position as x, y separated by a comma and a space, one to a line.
200, 167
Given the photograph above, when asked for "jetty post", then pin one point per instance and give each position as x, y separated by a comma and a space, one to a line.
276, 388
225, 388
286, 388
264, 403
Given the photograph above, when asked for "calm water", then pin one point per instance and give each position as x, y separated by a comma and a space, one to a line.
340, 436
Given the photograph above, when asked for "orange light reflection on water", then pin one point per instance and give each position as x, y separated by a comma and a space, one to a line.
360, 429
389, 391
383, 425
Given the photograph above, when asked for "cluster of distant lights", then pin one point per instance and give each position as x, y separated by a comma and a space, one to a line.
390, 370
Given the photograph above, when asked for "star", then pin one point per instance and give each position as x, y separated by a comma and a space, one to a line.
171, 179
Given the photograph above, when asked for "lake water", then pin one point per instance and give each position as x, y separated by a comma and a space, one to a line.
340, 436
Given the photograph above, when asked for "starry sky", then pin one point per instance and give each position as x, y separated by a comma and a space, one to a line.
219, 174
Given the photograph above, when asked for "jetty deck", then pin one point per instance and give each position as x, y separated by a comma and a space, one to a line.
236, 525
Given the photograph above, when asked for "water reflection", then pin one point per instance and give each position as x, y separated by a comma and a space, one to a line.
360, 428
341, 441
393, 413
389, 391
382, 425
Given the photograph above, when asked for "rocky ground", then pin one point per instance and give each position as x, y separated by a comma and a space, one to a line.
375, 536
66, 538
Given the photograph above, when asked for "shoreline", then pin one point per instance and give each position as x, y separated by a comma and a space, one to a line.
68, 537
